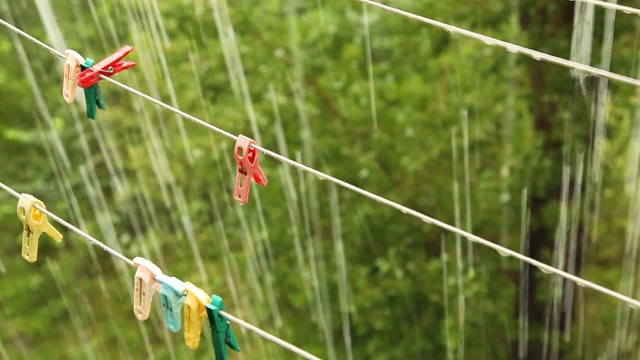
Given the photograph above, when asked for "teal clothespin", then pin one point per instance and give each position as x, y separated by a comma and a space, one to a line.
172, 297
221, 330
93, 94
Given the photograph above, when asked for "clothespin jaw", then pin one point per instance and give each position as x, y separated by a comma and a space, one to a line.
72, 67
144, 286
172, 298
247, 156
93, 94
34, 222
107, 67
195, 312
221, 330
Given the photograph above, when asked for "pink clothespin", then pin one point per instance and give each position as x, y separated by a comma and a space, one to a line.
144, 286
107, 67
248, 168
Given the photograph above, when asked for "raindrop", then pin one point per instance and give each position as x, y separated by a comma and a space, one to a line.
280, 53
363, 173
471, 238
581, 283
489, 42
512, 49
544, 269
502, 253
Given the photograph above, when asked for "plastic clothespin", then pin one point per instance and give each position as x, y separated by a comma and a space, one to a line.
195, 312
221, 330
144, 286
34, 222
93, 94
107, 67
172, 298
89, 78
72, 67
248, 168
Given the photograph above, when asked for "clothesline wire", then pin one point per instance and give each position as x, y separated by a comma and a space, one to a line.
613, 6
128, 261
427, 219
513, 48
128, 88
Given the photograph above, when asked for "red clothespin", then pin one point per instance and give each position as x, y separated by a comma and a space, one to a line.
248, 168
107, 67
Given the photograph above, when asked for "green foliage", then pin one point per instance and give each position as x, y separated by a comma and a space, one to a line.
152, 184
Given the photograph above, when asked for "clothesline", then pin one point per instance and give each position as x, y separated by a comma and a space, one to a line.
129, 262
612, 6
510, 47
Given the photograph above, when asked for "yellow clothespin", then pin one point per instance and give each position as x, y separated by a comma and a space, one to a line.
34, 224
71, 70
194, 314
144, 286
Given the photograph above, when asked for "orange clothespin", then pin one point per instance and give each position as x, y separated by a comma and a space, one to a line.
144, 286
248, 168
34, 222
71, 71
195, 312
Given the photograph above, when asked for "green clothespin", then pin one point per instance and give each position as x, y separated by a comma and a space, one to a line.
221, 330
93, 94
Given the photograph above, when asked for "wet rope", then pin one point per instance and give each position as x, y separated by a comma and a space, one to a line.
612, 6
513, 48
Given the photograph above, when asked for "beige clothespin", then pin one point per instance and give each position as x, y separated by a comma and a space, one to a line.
144, 286
71, 70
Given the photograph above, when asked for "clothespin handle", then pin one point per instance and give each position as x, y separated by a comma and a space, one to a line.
35, 222
72, 67
195, 312
144, 286
107, 67
248, 167
172, 298
221, 331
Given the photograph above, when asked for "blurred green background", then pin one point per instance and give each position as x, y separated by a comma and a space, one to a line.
527, 154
